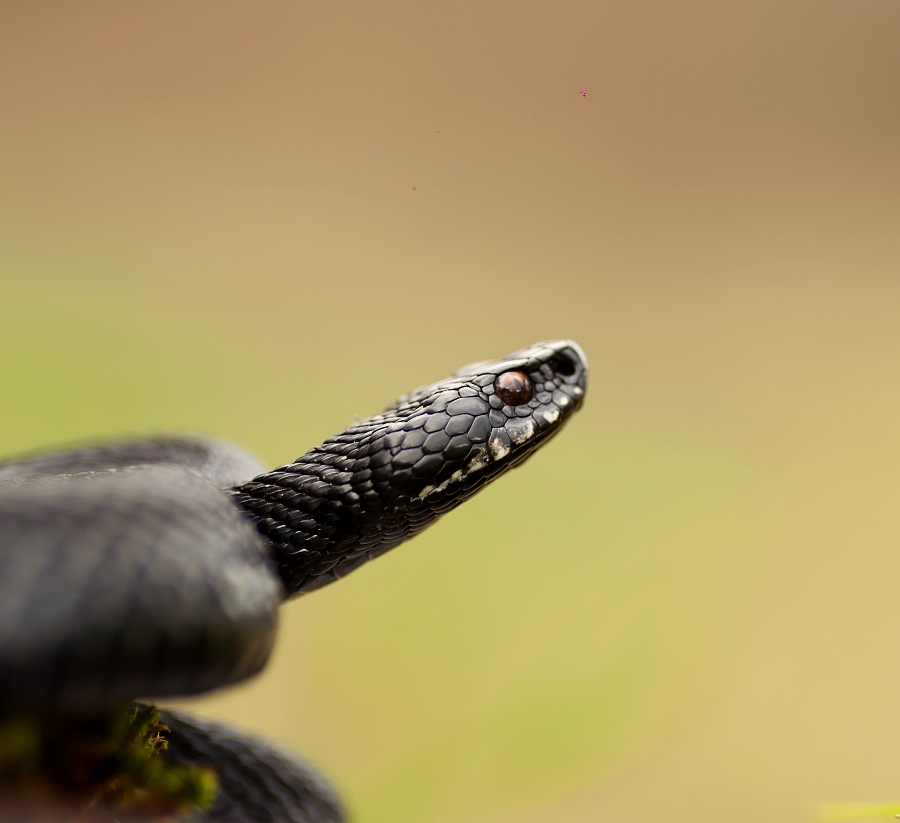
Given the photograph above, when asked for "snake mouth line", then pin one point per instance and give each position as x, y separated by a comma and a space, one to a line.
521, 453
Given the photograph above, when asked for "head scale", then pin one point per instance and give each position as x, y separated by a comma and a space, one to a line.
384, 479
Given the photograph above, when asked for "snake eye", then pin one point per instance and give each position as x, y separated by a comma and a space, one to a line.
514, 387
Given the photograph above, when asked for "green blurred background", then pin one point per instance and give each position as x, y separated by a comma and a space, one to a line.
257, 220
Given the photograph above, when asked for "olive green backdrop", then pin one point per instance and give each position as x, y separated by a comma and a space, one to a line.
255, 220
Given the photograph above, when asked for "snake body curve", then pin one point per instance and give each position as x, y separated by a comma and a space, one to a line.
155, 568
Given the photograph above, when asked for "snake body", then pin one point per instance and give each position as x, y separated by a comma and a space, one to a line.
156, 568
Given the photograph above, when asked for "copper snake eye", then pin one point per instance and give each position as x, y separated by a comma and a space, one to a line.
514, 387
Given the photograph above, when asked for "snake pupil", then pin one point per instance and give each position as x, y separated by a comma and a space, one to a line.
514, 387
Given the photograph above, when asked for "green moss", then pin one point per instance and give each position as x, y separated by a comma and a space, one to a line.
115, 760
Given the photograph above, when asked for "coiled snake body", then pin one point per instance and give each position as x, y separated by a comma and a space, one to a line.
156, 568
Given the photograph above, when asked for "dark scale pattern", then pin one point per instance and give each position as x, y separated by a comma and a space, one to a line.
384, 479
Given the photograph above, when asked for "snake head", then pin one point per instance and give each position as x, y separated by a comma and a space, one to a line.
461, 432
384, 479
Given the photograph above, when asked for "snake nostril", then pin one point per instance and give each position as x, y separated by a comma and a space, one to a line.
514, 387
564, 364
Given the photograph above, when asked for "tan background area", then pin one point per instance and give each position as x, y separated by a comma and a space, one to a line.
254, 220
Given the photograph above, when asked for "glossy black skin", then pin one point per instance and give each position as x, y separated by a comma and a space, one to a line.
128, 582
384, 479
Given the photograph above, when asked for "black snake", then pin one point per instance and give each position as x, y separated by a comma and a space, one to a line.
155, 568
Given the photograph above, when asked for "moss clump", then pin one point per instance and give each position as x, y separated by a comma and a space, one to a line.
115, 760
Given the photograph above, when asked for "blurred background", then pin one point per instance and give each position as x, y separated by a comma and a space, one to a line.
256, 220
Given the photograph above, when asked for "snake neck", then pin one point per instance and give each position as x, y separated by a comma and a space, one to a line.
337, 506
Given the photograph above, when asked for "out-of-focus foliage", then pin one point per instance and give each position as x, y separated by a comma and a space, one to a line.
114, 760
839, 812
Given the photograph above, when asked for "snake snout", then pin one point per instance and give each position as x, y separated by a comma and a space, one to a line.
569, 365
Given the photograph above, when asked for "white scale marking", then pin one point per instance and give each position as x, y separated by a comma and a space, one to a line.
550, 415
520, 430
499, 447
